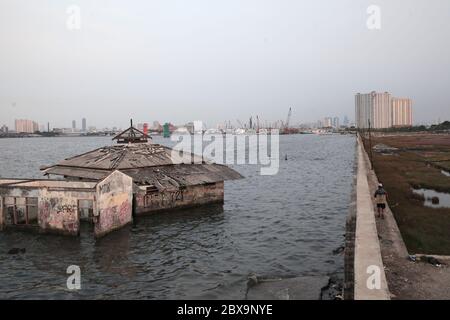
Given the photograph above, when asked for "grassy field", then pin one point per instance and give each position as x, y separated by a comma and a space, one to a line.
417, 163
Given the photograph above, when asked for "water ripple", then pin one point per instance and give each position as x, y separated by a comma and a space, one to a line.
283, 225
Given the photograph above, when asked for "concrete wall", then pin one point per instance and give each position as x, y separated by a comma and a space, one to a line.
57, 203
368, 265
114, 203
1, 214
350, 229
58, 210
189, 197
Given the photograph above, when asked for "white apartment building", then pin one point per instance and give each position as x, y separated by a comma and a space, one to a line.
379, 109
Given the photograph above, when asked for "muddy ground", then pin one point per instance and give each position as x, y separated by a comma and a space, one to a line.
407, 162
408, 279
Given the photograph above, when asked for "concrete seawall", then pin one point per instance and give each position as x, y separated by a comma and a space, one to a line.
369, 276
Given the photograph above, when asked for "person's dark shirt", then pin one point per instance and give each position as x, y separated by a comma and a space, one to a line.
380, 192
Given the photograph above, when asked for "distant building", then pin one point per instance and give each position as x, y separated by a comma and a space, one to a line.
401, 112
327, 122
83, 125
374, 107
74, 126
63, 130
145, 129
157, 126
190, 127
4, 129
382, 110
336, 122
346, 121
26, 126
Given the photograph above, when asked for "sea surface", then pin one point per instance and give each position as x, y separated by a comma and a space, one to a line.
285, 225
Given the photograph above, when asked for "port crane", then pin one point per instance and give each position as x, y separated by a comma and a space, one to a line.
288, 118
285, 126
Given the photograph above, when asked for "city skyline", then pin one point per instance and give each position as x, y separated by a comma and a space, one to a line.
333, 121
218, 61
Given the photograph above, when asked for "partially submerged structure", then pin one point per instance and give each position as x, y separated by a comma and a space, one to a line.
108, 185
58, 206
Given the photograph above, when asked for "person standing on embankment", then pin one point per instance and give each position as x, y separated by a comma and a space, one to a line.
380, 199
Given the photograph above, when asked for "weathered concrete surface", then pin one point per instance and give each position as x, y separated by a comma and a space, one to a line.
114, 203
407, 279
57, 203
350, 229
301, 288
58, 210
1, 214
188, 197
367, 247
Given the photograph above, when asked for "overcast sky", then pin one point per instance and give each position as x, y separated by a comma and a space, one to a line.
211, 60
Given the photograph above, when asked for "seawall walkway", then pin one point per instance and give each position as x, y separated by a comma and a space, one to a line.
369, 276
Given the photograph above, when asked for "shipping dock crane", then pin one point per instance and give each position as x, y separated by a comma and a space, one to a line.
285, 127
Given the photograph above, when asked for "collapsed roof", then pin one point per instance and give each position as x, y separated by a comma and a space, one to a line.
147, 163
128, 156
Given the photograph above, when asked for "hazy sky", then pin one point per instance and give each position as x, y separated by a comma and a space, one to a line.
214, 60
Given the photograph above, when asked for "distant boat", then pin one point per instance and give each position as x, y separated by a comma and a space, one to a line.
322, 132
263, 131
181, 130
239, 131
212, 131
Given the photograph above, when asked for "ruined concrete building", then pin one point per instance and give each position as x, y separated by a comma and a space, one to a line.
107, 186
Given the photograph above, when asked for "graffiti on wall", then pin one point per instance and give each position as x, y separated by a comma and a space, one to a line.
114, 203
59, 214
116, 212
66, 208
